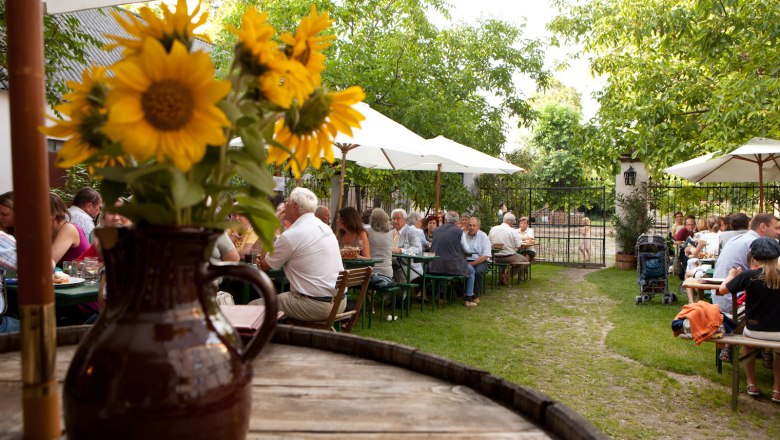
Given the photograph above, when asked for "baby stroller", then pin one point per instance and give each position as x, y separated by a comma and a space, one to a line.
652, 256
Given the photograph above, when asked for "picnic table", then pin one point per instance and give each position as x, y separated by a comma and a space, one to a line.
361, 388
356, 263
696, 287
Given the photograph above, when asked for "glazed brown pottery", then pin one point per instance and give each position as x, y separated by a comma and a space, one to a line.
162, 361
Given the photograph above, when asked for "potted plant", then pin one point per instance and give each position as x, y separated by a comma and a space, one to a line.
631, 220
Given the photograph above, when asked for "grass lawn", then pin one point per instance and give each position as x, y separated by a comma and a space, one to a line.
576, 335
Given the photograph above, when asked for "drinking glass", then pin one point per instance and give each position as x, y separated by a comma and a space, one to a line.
91, 268
71, 268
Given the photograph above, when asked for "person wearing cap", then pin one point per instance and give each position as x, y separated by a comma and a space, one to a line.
762, 304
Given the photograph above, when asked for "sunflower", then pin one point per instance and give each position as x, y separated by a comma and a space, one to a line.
176, 25
309, 131
279, 79
81, 131
165, 105
305, 47
90, 92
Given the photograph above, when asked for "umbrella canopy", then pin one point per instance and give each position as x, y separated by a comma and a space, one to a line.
756, 161
380, 142
446, 155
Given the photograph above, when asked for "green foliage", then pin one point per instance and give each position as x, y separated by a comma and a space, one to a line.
433, 81
62, 41
683, 78
76, 177
632, 219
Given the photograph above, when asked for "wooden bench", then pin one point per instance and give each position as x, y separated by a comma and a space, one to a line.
735, 341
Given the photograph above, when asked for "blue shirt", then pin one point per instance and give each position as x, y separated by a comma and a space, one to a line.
479, 244
734, 254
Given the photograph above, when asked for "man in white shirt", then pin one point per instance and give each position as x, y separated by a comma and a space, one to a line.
405, 240
479, 243
508, 236
85, 208
310, 255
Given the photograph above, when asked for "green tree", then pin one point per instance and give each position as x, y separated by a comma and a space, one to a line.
683, 77
63, 41
433, 81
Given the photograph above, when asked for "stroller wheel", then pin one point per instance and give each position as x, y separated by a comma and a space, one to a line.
646, 298
665, 300
674, 298
639, 299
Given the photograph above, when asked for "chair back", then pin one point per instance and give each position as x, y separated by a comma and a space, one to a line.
360, 278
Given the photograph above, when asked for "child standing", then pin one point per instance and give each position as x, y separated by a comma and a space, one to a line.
584, 247
762, 304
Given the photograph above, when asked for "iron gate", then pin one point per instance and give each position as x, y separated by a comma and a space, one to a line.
556, 214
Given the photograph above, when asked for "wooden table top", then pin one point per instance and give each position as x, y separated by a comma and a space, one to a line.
306, 393
350, 387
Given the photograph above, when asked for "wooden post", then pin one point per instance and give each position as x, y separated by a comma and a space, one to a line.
40, 399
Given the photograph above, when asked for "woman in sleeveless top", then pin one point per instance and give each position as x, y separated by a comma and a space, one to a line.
350, 231
68, 240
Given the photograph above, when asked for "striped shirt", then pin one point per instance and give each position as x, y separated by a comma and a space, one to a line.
7, 251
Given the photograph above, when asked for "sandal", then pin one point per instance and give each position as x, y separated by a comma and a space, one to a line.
752, 390
776, 396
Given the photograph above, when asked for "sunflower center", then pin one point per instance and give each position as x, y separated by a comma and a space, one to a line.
313, 113
167, 105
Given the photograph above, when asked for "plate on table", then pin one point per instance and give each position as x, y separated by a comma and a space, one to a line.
72, 281
713, 280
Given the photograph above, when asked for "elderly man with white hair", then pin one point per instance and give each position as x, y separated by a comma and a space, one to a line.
309, 253
405, 240
508, 236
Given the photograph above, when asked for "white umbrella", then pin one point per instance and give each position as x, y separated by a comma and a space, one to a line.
757, 160
446, 155
380, 142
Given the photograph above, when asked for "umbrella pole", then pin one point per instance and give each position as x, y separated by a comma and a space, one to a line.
438, 187
40, 395
760, 186
341, 188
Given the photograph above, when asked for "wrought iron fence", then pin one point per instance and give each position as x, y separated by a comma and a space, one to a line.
670, 195
556, 214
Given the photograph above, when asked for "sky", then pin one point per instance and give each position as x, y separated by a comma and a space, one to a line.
534, 15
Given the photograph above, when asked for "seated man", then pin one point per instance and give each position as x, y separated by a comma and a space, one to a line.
310, 255
508, 236
449, 244
405, 240
479, 243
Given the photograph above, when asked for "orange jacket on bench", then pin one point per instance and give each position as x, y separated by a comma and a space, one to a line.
705, 319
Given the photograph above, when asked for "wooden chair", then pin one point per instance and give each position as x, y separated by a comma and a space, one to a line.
347, 278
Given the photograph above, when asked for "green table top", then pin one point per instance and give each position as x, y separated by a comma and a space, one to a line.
417, 258
354, 263
68, 296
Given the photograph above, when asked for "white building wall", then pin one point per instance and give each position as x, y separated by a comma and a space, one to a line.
6, 176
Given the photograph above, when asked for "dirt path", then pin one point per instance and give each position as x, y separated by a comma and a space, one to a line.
660, 403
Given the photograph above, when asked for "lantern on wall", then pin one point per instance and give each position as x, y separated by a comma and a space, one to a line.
630, 176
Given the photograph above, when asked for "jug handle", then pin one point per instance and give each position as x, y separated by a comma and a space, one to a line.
262, 283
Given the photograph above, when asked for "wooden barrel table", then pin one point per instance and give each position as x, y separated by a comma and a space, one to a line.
314, 384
